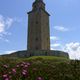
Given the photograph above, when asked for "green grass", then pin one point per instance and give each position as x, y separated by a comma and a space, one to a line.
46, 67
48, 58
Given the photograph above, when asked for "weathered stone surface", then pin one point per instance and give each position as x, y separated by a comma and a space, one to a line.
38, 27
30, 53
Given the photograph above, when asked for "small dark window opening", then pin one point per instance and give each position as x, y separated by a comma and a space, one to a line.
36, 48
35, 6
36, 22
47, 38
36, 39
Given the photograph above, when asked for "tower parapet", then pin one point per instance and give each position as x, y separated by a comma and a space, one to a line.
38, 4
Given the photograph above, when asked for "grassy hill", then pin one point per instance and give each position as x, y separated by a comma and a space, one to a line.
39, 68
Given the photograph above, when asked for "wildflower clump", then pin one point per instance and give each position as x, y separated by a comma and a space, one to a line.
19, 71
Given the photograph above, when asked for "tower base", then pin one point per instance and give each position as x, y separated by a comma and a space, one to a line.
30, 53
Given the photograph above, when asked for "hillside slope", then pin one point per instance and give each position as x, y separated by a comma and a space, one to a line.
41, 68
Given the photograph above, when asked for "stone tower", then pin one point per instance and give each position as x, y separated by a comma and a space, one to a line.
38, 27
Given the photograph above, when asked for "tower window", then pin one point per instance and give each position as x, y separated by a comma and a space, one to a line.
36, 22
36, 39
35, 6
36, 48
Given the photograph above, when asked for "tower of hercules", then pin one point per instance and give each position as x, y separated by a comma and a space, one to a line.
38, 27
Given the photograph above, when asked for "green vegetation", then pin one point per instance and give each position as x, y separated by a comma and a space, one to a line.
45, 57
39, 68
48, 58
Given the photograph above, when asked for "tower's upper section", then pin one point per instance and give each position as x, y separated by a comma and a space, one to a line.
38, 4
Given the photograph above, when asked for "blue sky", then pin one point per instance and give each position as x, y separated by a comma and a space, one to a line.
64, 25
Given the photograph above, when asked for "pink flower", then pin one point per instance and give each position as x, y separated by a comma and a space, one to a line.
39, 78
25, 66
24, 70
6, 79
22, 65
28, 64
25, 73
14, 71
5, 75
17, 66
9, 72
5, 66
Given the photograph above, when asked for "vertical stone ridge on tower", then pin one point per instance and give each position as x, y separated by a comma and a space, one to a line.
38, 27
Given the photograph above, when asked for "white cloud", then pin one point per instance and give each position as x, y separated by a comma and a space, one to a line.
51, 48
55, 38
9, 22
2, 25
6, 40
5, 24
8, 52
18, 19
73, 49
55, 45
61, 28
